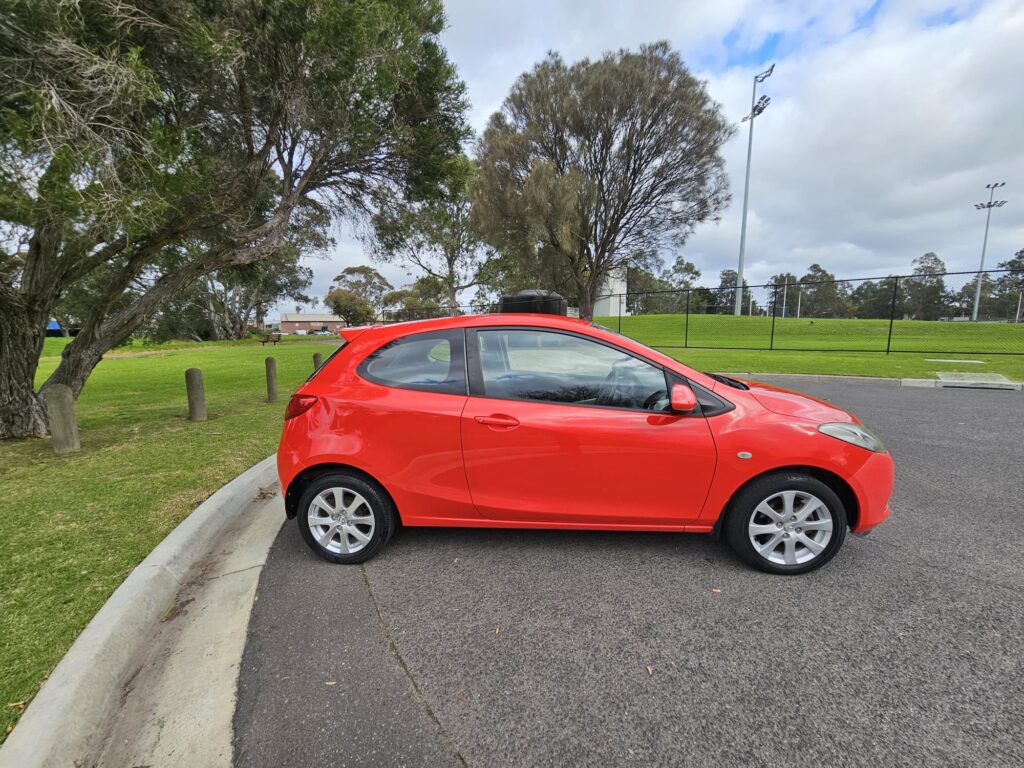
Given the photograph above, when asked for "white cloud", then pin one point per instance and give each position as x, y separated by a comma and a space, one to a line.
882, 141
877, 143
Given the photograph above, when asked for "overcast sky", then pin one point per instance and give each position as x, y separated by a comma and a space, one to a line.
887, 119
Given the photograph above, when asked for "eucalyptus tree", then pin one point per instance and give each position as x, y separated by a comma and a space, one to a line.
367, 282
129, 126
682, 274
596, 162
926, 297
350, 306
433, 238
725, 296
821, 295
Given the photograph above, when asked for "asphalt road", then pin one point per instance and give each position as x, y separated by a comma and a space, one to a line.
518, 648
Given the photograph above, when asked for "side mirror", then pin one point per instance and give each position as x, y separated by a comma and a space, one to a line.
683, 399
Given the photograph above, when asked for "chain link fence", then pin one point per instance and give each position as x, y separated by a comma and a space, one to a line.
934, 313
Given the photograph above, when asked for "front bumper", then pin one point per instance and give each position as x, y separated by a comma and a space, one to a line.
873, 484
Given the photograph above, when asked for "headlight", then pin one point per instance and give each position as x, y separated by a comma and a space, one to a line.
853, 434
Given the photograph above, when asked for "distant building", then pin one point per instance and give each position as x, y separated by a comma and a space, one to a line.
291, 322
612, 295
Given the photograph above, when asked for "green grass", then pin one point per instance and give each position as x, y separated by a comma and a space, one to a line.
74, 527
793, 338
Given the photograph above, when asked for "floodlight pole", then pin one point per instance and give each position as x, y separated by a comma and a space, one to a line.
754, 112
984, 243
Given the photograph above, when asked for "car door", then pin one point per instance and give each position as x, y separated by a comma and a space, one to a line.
561, 428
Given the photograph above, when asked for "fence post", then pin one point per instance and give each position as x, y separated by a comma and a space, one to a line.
318, 360
620, 314
775, 301
892, 313
196, 394
271, 364
686, 331
60, 412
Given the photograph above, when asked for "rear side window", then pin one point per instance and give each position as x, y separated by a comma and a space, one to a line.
430, 362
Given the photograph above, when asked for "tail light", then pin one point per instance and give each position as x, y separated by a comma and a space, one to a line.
298, 405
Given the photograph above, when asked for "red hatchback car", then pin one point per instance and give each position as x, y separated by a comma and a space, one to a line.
541, 421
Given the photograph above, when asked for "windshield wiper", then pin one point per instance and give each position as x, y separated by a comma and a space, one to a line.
729, 382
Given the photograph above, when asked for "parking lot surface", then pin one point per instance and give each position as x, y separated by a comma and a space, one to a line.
531, 648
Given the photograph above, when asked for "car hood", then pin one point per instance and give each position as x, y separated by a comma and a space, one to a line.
788, 403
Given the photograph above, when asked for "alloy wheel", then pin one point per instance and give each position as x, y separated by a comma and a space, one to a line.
790, 527
341, 520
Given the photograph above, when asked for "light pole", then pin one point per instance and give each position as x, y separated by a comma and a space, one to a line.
984, 243
757, 106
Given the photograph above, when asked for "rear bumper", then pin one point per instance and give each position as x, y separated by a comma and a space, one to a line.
873, 484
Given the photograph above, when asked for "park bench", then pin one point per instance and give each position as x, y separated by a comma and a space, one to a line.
273, 338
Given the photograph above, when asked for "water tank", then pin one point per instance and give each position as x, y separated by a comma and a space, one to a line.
541, 302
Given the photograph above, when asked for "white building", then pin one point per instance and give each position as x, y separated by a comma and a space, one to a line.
612, 296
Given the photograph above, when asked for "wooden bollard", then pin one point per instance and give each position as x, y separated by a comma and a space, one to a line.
271, 379
196, 395
318, 360
60, 411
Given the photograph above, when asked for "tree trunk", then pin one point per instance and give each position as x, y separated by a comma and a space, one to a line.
102, 333
76, 365
22, 412
24, 314
98, 336
587, 290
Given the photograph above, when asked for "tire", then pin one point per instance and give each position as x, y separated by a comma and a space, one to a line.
359, 528
786, 523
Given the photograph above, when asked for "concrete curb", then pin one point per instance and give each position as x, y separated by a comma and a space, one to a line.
877, 380
67, 716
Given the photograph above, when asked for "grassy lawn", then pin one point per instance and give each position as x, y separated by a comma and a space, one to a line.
792, 335
73, 528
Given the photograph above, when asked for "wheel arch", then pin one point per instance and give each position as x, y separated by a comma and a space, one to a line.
839, 486
311, 473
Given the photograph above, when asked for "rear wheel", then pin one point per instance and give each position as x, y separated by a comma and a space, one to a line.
344, 518
786, 523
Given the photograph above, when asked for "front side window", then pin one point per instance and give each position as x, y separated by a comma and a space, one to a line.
562, 368
431, 362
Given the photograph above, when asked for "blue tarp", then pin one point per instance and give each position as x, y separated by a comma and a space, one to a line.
53, 325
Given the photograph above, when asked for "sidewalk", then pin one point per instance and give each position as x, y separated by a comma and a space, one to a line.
152, 678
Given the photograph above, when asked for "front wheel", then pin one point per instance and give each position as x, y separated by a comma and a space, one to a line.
344, 518
786, 523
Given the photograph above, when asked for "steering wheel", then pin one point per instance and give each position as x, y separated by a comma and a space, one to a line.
617, 379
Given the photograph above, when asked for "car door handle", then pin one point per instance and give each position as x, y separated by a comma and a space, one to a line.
499, 420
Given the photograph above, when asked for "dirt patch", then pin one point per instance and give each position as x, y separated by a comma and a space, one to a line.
176, 610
